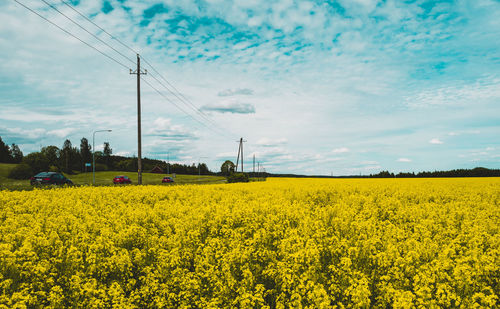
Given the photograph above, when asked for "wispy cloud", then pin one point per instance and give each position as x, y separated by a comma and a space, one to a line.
230, 106
474, 92
436, 141
233, 92
19, 132
163, 128
362, 75
123, 153
405, 160
341, 150
231, 155
61, 132
268, 142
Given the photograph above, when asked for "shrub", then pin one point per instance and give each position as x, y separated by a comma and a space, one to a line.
22, 171
99, 167
237, 177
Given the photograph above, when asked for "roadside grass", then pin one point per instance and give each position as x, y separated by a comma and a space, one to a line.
106, 179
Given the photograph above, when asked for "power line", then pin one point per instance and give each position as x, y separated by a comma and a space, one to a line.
193, 108
71, 34
176, 105
131, 49
181, 97
102, 29
84, 29
184, 98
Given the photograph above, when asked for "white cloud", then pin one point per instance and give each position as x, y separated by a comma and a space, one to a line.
123, 153
233, 92
404, 160
230, 106
310, 71
34, 133
267, 142
163, 127
226, 155
480, 90
341, 150
62, 132
436, 141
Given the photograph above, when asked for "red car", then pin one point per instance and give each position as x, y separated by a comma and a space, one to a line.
121, 180
167, 179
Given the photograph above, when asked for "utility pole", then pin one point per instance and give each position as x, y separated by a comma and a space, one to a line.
240, 150
238, 158
254, 163
168, 163
139, 150
93, 153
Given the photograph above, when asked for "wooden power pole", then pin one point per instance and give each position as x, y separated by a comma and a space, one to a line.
254, 163
240, 151
139, 146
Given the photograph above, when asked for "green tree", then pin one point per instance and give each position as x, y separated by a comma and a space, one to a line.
16, 153
52, 156
37, 161
69, 156
85, 152
21, 171
203, 169
227, 168
107, 153
4, 152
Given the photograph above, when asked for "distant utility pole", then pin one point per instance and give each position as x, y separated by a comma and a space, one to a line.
168, 163
240, 150
254, 163
199, 165
139, 150
93, 153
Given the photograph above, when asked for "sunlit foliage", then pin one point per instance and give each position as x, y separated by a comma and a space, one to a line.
284, 243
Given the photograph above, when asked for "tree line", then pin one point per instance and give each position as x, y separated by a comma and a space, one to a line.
70, 160
475, 172
10, 154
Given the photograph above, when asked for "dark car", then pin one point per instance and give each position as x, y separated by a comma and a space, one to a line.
50, 178
121, 180
167, 179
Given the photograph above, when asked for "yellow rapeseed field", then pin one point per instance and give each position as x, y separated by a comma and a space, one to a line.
284, 243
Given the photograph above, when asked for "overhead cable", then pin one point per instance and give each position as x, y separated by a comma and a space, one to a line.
178, 107
71, 34
174, 92
84, 29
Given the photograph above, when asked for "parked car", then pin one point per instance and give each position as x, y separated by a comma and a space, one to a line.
50, 178
121, 180
167, 179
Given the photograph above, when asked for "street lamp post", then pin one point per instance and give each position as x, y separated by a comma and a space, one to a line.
93, 153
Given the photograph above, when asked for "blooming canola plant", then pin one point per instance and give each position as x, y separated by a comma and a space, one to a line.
283, 243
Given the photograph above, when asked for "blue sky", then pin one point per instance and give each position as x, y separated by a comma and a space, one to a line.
315, 87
